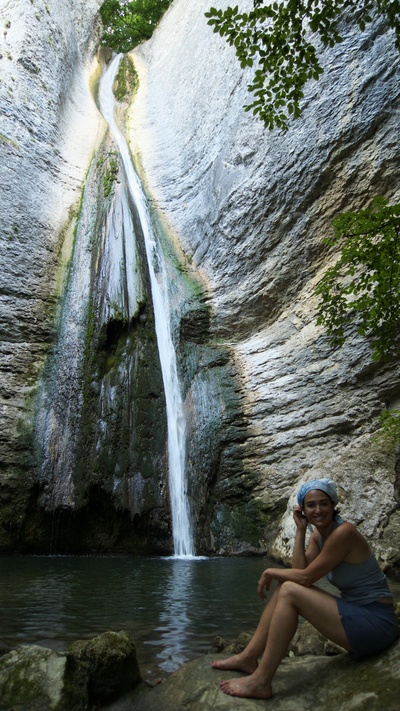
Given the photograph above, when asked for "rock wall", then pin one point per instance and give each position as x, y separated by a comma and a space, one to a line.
251, 209
83, 454
244, 212
49, 129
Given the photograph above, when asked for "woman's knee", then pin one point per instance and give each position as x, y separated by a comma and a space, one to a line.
290, 590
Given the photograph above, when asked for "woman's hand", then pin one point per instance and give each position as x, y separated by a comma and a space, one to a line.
299, 518
264, 582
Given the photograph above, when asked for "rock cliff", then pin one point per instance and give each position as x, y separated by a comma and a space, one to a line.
49, 129
245, 212
251, 209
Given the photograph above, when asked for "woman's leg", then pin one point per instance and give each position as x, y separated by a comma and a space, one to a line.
293, 600
247, 660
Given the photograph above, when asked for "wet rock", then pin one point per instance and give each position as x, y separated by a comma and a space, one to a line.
50, 127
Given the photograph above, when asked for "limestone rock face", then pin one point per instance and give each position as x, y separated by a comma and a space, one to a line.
268, 402
251, 209
49, 128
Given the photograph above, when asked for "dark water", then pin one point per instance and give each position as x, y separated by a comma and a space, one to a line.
172, 608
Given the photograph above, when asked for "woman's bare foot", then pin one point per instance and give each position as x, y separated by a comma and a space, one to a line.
239, 662
248, 687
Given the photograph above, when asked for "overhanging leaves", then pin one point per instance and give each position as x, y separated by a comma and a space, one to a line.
364, 284
279, 39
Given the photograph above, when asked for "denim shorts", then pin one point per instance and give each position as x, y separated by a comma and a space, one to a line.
369, 628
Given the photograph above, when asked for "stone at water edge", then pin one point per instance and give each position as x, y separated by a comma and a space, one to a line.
33, 677
300, 684
94, 672
110, 663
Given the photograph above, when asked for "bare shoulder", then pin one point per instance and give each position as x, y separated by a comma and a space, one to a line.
358, 547
346, 530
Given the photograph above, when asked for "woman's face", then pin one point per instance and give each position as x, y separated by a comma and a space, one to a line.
318, 508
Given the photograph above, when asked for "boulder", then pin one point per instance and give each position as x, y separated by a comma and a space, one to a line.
34, 678
95, 671
109, 664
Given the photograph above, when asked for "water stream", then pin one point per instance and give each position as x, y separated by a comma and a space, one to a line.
181, 523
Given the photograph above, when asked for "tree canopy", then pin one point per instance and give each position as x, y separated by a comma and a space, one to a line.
280, 40
364, 284
127, 23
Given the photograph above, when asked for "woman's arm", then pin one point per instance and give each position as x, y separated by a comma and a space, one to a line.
336, 548
302, 557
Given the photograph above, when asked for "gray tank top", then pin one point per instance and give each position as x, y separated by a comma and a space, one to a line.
360, 583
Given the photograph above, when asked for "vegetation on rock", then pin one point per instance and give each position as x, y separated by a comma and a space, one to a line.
126, 80
364, 283
363, 286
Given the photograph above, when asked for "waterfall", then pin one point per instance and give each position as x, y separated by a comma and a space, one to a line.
181, 525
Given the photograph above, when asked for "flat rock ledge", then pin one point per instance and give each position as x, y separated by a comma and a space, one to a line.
301, 683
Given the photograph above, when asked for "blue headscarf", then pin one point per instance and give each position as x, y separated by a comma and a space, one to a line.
326, 485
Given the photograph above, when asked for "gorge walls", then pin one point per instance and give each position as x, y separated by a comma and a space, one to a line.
49, 129
242, 214
84, 435
251, 209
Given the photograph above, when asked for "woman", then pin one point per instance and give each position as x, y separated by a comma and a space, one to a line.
362, 621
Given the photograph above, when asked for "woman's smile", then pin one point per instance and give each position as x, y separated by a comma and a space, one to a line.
318, 507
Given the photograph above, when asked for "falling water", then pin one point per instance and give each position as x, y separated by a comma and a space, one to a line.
182, 533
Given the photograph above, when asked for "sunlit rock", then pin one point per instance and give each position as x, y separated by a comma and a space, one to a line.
251, 208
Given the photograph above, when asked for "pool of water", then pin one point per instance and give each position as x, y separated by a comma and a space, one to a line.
172, 608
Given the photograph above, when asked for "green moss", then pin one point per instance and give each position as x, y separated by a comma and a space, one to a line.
111, 174
5, 140
237, 523
126, 80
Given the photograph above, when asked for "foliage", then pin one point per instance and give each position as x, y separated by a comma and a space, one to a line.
364, 284
127, 23
111, 175
390, 427
275, 38
126, 80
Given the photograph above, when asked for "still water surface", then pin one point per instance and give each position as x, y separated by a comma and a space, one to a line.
172, 608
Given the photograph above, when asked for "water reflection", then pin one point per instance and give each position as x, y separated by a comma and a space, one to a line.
174, 629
